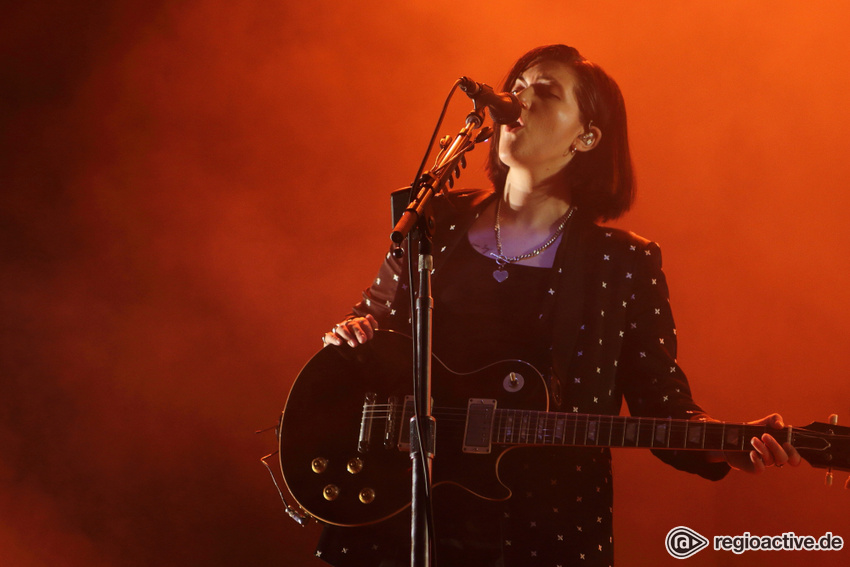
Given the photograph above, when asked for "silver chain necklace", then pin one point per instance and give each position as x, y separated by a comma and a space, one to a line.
500, 274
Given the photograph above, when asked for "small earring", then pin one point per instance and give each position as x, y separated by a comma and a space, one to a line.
569, 151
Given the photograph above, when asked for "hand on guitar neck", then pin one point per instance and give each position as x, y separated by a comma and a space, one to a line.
766, 450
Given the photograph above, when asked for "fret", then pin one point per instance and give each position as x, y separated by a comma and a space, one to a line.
646, 431
713, 436
533, 418
533, 427
750, 431
551, 423
523, 428
630, 431
618, 431
592, 430
517, 429
574, 418
611, 430
581, 430
603, 430
789, 435
695, 434
733, 437
662, 433
678, 435
559, 428
541, 428
509, 426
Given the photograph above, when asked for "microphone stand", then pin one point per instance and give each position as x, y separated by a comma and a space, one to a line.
417, 221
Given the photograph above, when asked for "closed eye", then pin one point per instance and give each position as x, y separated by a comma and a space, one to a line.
545, 90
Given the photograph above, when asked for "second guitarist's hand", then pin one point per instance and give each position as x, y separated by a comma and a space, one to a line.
355, 331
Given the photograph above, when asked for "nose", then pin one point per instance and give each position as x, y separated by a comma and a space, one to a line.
521, 96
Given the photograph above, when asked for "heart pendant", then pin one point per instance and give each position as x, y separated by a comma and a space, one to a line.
500, 275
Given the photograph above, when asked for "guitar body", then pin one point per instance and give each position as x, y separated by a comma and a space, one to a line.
343, 434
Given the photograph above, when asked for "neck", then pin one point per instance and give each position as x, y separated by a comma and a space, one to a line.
535, 202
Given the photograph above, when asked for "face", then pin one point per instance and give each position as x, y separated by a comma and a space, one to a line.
550, 123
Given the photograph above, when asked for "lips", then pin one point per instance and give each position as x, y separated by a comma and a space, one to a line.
515, 126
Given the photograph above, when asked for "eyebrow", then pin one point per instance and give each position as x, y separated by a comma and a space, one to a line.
545, 78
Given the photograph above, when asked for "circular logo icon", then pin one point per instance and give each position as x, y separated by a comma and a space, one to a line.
682, 542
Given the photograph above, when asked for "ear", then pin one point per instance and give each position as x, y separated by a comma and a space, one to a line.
589, 140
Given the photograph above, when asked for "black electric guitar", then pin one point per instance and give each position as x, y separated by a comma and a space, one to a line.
344, 433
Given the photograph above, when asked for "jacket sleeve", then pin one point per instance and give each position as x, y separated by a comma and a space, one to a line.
388, 298
654, 384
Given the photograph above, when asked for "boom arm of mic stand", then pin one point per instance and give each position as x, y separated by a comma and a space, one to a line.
435, 180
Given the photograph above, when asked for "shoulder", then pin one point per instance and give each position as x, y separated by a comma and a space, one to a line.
618, 246
615, 238
463, 200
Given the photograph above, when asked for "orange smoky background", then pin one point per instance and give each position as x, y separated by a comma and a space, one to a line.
192, 192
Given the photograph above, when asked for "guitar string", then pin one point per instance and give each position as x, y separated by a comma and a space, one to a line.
576, 417
568, 422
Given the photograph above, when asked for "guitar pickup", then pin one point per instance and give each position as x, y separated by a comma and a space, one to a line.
477, 436
367, 419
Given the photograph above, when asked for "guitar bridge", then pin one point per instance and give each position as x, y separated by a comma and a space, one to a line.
407, 414
480, 414
391, 425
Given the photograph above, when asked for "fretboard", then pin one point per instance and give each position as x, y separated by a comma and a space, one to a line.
521, 427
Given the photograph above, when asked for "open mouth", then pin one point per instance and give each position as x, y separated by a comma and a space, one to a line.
514, 126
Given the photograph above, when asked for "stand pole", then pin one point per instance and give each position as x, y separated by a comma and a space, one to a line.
422, 425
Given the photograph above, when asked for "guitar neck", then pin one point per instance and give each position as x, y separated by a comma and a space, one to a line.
521, 427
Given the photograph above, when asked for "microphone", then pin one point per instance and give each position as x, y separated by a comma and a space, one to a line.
505, 108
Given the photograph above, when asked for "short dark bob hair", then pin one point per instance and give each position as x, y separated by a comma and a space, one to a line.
601, 180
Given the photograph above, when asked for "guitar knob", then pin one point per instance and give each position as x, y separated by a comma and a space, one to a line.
331, 492
367, 495
354, 466
833, 419
319, 465
828, 479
